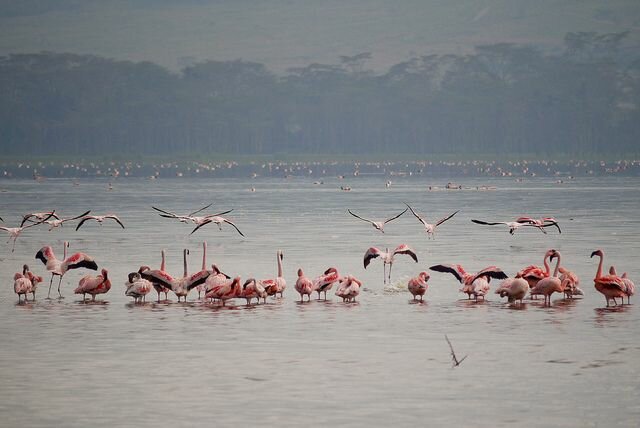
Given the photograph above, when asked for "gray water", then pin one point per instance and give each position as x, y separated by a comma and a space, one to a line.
381, 361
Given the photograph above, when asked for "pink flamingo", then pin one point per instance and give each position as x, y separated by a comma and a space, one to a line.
14, 232
630, 287
552, 284
35, 280
137, 286
22, 284
157, 285
418, 285
472, 284
378, 225
611, 286
348, 288
252, 288
224, 289
570, 283
179, 286
200, 288
540, 223
60, 267
532, 274
100, 219
215, 280
303, 286
513, 289
324, 282
387, 257
40, 217
93, 285
277, 285
430, 229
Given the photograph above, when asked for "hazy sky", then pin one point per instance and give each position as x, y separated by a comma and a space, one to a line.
285, 33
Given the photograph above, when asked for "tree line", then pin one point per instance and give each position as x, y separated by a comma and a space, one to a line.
500, 99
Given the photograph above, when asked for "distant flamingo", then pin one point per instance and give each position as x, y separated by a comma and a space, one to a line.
93, 285
277, 285
418, 285
611, 286
303, 286
40, 217
387, 257
430, 229
59, 222
348, 288
137, 286
378, 225
100, 219
630, 287
513, 225
540, 223
14, 232
472, 284
552, 284
60, 267
513, 289
324, 282
22, 284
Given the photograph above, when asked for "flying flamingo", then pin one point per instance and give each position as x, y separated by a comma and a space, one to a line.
180, 286
513, 225
99, 284
14, 232
186, 218
22, 284
303, 286
59, 222
540, 223
387, 257
630, 287
137, 286
430, 229
60, 267
513, 289
324, 282
552, 284
611, 286
348, 288
197, 220
472, 284
277, 285
418, 285
100, 219
378, 225
217, 219
40, 217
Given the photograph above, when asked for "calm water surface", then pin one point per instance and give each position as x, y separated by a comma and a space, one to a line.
381, 361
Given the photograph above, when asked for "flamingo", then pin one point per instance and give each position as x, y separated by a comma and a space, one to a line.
217, 220
277, 285
378, 225
324, 282
388, 258
58, 222
40, 217
532, 274
430, 229
22, 284
100, 219
60, 267
200, 287
513, 289
570, 283
186, 218
35, 280
14, 232
418, 285
611, 286
180, 286
540, 223
476, 284
214, 281
348, 288
252, 288
630, 287
303, 286
137, 286
513, 225
99, 284
552, 284
197, 220
223, 289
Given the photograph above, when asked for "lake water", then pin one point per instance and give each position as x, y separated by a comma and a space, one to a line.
381, 361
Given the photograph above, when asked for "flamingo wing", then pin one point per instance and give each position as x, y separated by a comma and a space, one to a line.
173, 215
526, 220
406, 250
76, 217
49, 215
488, 223
207, 221
234, 226
416, 215
371, 254
455, 270
197, 279
157, 276
114, 217
551, 222
44, 254
80, 260
442, 220
218, 214
201, 209
89, 217
492, 272
395, 217
357, 216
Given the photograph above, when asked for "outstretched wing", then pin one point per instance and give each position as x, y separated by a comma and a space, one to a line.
393, 218
165, 212
526, 220
234, 226
551, 222
405, 249
371, 254
455, 270
491, 272
442, 220
114, 217
76, 217
158, 277
51, 214
218, 214
82, 221
201, 209
207, 221
357, 216
416, 215
197, 279
488, 223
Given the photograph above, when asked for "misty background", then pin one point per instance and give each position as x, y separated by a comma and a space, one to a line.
202, 78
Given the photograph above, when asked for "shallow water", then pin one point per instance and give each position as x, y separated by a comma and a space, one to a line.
380, 361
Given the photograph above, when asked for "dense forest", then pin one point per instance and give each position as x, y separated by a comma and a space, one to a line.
502, 98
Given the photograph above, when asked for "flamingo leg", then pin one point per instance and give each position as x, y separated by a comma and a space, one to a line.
59, 283
50, 282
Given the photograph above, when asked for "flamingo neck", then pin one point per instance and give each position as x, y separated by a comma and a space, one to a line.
546, 264
64, 251
279, 264
599, 271
162, 264
204, 256
555, 271
185, 262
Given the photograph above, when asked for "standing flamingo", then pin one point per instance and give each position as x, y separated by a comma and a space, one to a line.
180, 286
277, 285
630, 287
513, 289
472, 284
137, 286
570, 283
532, 274
430, 229
252, 288
93, 285
303, 286
324, 282
223, 289
552, 284
418, 285
388, 258
35, 280
611, 286
60, 267
348, 288
214, 281
378, 225
22, 284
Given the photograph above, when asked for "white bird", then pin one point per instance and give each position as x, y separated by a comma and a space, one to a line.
217, 220
513, 225
58, 222
387, 257
99, 219
429, 228
14, 232
40, 217
379, 225
186, 218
